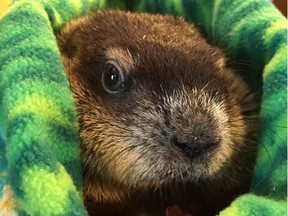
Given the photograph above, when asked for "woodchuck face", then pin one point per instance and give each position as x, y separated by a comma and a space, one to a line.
157, 108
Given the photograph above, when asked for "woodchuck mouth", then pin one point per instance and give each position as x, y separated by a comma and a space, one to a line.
169, 210
176, 211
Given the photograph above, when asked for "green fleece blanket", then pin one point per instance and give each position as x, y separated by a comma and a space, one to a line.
40, 170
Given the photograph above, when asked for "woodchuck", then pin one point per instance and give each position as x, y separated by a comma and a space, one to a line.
163, 121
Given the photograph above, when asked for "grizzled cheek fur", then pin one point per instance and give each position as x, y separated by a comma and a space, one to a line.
180, 135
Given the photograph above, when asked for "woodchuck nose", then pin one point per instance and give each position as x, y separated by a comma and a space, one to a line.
163, 121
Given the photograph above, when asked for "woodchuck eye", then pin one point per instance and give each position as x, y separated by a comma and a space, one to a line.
113, 77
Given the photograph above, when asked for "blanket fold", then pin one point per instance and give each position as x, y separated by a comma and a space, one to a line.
40, 172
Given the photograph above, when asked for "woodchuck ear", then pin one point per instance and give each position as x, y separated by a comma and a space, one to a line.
220, 63
68, 41
220, 60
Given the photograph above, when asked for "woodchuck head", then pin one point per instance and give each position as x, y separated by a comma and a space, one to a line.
159, 112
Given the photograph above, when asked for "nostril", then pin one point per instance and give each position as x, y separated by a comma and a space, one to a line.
195, 147
175, 142
209, 145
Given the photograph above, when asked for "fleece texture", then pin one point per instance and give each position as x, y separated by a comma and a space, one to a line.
40, 172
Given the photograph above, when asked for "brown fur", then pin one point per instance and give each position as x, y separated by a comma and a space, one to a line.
178, 92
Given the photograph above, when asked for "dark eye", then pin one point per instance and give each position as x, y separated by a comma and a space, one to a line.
113, 77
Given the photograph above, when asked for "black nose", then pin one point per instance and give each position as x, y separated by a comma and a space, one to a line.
195, 146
